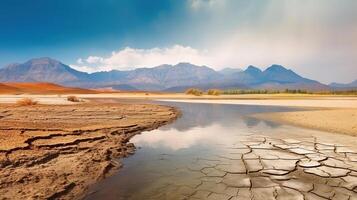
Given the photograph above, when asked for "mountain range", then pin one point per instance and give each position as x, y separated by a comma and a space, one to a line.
160, 78
352, 85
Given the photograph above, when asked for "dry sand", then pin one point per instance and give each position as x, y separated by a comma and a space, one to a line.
314, 103
333, 120
328, 101
58, 151
40, 88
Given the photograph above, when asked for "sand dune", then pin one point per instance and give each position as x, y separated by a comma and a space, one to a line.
40, 88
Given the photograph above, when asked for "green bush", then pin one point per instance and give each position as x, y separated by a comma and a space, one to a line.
194, 91
215, 92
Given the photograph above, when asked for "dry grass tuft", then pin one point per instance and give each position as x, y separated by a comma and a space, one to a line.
73, 99
194, 91
26, 102
215, 92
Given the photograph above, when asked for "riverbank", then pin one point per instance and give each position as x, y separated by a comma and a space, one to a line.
296, 100
58, 151
334, 113
332, 120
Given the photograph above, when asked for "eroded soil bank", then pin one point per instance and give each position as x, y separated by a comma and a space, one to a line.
57, 151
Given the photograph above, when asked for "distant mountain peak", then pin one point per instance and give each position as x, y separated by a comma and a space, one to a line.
351, 85
184, 63
276, 67
252, 69
43, 60
43, 69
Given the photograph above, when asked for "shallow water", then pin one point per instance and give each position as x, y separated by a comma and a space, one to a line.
198, 154
203, 130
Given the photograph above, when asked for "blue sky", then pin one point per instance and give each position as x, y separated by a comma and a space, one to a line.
316, 38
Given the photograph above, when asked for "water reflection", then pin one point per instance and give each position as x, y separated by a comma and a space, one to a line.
204, 115
203, 131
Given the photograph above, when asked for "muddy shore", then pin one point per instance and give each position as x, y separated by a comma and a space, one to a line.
58, 151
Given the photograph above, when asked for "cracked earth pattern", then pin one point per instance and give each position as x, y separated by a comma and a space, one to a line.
57, 152
263, 168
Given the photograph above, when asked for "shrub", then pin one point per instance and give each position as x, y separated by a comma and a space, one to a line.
26, 102
215, 92
73, 99
194, 91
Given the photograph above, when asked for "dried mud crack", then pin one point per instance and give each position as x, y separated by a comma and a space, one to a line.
258, 167
57, 152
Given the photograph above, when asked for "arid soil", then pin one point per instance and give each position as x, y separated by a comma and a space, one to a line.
57, 151
331, 120
258, 167
40, 88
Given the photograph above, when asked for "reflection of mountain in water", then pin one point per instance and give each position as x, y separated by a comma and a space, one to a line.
252, 122
203, 115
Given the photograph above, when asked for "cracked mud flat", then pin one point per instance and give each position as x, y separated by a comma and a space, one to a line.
259, 167
217, 152
56, 152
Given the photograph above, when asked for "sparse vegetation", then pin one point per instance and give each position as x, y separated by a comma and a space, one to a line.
340, 92
194, 91
215, 92
290, 91
73, 99
26, 102
241, 91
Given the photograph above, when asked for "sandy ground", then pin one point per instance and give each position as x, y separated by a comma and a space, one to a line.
58, 151
41, 99
263, 99
40, 88
314, 103
335, 121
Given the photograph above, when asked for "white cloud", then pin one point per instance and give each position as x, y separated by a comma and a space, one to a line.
129, 58
198, 4
94, 59
80, 61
